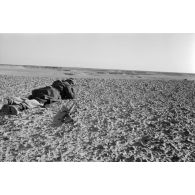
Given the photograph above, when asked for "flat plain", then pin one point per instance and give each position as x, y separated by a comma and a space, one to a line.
119, 116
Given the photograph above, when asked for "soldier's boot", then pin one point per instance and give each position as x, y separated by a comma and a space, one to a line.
11, 109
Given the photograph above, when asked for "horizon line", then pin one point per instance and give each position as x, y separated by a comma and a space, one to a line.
77, 67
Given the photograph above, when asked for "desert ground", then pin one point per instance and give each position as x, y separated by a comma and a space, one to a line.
130, 116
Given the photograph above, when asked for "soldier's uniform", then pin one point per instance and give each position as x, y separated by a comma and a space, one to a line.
59, 90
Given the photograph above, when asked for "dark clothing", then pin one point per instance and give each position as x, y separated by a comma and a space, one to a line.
46, 94
59, 90
56, 92
65, 88
68, 91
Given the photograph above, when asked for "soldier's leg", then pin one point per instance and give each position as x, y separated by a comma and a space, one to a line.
32, 103
15, 105
10, 105
13, 100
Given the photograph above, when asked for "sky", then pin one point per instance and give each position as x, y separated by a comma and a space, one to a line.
148, 52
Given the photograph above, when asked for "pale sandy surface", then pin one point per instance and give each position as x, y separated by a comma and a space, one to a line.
115, 120
59, 72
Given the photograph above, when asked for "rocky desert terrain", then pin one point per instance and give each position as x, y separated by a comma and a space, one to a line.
115, 119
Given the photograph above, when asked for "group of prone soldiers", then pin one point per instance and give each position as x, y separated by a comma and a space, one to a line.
41, 97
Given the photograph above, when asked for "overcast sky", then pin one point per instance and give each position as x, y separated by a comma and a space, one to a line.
153, 52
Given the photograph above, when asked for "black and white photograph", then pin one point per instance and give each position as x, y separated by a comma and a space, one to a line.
97, 97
